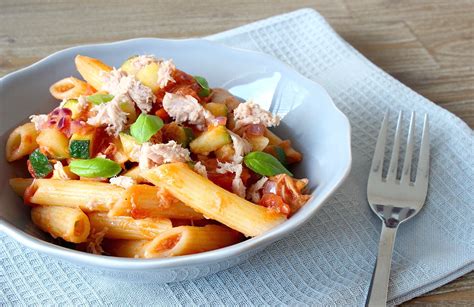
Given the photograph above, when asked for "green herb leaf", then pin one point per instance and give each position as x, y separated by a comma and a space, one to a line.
265, 164
40, 164
100, 98
97, 167
205, 90
145, 127
280, 155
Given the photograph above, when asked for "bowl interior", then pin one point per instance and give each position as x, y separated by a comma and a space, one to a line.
310, 119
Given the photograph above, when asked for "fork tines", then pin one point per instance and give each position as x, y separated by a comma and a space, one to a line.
422, 170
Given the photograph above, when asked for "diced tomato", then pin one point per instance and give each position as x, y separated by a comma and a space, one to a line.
161, 113
245, 175
222, 180
274, 203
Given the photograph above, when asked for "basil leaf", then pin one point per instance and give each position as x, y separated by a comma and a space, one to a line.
265, 164
97, 167
145, 127
100, 98
40, 164
205, 90
280, 155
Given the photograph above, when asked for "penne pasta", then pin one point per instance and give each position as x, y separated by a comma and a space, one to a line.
134, 173
68, 88
19, 185
178, 241
292, 155
71, 224
143, 201
21, 142
125, 227
213, 201
91, 70
125, 248
86, 195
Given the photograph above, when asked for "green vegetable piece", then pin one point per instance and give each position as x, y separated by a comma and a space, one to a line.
265, 164
79, 149
205, 90
145, 127
281, 155
97, 167
100, 98
40, 164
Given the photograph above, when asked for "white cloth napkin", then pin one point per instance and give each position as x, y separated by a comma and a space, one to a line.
330, 260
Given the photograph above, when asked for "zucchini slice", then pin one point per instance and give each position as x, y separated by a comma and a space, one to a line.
211, 140
217, 109
179, 134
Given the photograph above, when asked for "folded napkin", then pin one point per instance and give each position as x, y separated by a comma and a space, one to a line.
330, 260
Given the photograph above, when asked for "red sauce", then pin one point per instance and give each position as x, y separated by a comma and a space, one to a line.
275, 203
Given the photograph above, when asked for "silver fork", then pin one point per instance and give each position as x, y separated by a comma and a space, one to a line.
395, 200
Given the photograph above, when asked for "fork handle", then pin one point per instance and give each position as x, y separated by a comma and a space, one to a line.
379, 286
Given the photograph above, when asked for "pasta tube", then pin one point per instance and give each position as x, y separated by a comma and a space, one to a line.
291, 154
125, 227
19, 185
178, 241
213, 201
71, 224
143, 201
91, 70
21, 142
68, 88
134, 173
86, 195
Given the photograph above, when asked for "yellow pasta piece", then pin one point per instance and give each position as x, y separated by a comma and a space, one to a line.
71, 224
292, 155
125, 227
213, 201
21, 142
125, 248
143, 201
68, 88
134, 173
91, 70
86, 195
178, 241
19, 185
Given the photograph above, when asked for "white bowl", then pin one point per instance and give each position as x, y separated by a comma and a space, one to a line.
310, 119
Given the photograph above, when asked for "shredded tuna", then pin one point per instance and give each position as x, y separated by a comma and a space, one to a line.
186, 109
238, 186
241, 147
39, 120
122, 181
251, 113
125, 87
141, 61
82, 103
165, 70
290, 190
200, 169
59, 172
253, 192
94, 242
157, 154
109, 114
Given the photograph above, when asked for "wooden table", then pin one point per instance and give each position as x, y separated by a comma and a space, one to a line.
426, 44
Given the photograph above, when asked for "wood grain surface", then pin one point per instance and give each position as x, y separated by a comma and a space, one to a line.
426, 44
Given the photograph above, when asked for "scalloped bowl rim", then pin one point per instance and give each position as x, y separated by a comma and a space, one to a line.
126, 264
